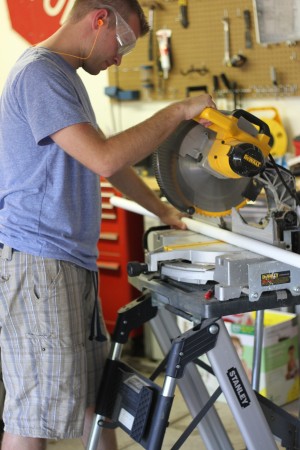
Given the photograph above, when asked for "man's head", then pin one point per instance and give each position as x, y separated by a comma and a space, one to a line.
118, 23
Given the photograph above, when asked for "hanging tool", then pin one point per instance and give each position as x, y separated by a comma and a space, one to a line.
227, 59
216, 91
152, 5
247, 20
151, 25
237, 60
232, 88
183, 13
273, 75
190, 89
200, 70
226, 81
164, 44
216, 86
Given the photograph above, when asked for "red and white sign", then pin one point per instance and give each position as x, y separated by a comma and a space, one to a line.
36, 20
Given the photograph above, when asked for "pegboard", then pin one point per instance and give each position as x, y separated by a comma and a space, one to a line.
198, 54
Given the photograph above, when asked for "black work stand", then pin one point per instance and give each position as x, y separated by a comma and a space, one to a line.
141, 407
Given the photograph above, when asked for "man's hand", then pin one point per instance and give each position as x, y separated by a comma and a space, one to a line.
171, 216
195, 105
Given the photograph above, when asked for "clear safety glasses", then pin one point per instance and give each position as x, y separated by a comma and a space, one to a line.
125, 36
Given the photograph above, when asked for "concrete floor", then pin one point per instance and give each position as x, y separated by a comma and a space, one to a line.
179, 420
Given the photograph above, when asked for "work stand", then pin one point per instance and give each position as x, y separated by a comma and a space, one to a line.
141, 407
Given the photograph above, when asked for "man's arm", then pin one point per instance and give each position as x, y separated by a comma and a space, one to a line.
132, 186
107, 156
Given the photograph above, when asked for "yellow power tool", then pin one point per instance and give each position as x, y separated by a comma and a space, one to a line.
210, 170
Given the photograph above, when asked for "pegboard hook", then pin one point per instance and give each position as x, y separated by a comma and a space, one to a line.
201, 71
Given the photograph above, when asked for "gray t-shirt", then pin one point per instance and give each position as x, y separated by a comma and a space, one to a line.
49, 203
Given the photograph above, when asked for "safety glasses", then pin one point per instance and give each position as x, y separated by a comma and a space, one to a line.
125, 36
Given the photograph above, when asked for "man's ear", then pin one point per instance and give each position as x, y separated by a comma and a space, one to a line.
100, 17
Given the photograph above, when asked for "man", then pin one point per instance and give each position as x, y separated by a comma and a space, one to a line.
52, 153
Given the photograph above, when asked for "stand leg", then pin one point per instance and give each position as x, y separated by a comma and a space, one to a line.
239, 394
95, 433
131, 316
159, 424
96, 430
193, 390
258, 338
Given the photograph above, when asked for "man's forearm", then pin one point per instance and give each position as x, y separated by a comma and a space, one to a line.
133, 187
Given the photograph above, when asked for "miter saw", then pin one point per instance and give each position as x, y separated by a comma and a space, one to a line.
209, 172
212, 173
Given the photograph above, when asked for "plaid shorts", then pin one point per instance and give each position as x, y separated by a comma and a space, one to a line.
51, 370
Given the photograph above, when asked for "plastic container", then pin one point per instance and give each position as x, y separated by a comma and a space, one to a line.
296, 143
147, 91
146, 74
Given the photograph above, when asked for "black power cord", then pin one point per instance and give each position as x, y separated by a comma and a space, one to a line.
293, 194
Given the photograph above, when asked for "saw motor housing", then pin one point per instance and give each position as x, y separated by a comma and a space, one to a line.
239, 150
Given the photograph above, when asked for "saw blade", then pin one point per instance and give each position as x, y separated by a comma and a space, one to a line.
184, 181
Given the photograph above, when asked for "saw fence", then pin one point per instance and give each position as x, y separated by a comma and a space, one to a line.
199, 53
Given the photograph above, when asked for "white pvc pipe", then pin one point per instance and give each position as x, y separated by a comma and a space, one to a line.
253, 245
129, 205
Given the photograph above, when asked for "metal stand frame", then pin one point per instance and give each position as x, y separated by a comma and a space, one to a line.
258, 419
191, 385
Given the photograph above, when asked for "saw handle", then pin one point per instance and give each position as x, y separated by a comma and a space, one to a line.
216, 117
225, 122
263, 127
136, 268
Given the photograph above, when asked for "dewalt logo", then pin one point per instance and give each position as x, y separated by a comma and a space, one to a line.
252, 161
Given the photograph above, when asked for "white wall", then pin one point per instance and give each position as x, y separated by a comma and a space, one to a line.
112, 118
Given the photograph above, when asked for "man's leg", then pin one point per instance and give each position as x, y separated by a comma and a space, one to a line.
107, 441
12, 442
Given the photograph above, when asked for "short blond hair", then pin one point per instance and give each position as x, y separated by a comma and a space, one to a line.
124, 7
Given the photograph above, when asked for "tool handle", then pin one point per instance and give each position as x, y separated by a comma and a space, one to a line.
150, 42
183, 13
226, 81
150, 45
216, 83
216, 117
226, 123
247, 18
263, 127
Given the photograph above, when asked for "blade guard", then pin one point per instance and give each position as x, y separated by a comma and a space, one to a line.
184, 180
167, 163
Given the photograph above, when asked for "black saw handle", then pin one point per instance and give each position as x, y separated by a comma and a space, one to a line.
263, 127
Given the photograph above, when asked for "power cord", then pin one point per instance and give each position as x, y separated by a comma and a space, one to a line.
293, 194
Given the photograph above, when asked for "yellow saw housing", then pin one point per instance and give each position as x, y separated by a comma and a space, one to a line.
230, 136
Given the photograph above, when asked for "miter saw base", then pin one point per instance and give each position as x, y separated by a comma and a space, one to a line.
252, 274
188, 257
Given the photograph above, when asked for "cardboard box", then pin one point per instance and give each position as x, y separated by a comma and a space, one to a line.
279, 375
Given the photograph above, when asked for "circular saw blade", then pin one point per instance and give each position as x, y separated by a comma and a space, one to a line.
184, 181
